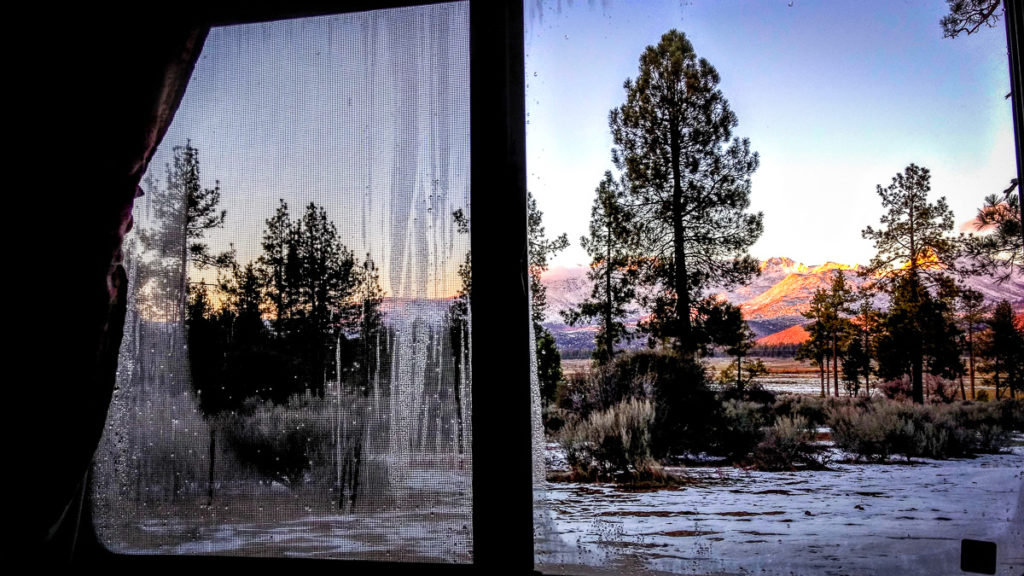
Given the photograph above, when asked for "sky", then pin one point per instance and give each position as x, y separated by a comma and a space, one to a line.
365, 115
836, 98
368, 115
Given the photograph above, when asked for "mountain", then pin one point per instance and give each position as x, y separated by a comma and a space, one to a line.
792, 335
782, 305
772, 303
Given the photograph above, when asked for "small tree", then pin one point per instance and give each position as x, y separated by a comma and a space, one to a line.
861, 348
1002, 348
814, 348
972, 308
613, 270
724, 326
549, 361
831, 327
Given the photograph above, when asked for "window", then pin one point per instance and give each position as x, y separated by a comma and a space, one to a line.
499, 507
439, 430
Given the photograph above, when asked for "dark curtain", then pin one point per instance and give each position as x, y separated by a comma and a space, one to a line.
103, 100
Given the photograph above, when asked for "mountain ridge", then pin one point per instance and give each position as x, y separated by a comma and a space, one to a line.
772, 303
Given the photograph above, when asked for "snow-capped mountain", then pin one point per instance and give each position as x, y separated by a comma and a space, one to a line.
772, 303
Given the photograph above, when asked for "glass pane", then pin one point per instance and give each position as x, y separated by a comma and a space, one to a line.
294, 376
746, 334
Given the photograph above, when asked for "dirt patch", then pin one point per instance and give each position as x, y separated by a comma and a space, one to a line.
742, 513
686, 533
648, 513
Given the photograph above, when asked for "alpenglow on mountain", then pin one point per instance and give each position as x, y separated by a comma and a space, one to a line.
772, 303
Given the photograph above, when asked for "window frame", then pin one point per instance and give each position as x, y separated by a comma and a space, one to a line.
502, 448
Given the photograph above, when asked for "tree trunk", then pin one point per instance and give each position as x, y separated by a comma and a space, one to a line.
821, 373
835, 367
917, 377
970, 355
609, 340
684, 332
213, 456
739, 373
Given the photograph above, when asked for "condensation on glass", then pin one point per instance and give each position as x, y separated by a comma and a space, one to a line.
294, 378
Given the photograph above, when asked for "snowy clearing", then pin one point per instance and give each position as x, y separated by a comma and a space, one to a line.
854, 519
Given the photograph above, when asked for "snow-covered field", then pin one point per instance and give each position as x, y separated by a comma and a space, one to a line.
854, 519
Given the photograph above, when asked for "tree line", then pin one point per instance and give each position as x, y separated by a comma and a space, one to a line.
270, 328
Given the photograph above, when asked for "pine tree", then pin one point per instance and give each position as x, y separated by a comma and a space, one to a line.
277, 265
613, 268
689, 183
861, 348
972, 308
722, 324
1002, 348
549, 361
999, 251
325, 281
186, 212
913, 249
829, 309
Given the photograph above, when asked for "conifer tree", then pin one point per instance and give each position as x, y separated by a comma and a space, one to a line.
689, 183
1002, 347
613, 268
549, 361
972, 308
913, 251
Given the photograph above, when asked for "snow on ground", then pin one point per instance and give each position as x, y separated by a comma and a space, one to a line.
854, 519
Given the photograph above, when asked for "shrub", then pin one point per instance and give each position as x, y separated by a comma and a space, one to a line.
881, 428
899, 389
685, 409
740, 428
1010, 414
280, 442
810, 408
863, 430
613, 443
789, 442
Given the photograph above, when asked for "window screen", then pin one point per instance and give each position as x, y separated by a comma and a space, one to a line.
294, 378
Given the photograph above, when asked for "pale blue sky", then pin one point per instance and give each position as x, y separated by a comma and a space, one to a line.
365, 114
836, 97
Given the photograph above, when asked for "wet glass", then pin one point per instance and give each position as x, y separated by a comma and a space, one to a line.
294, 378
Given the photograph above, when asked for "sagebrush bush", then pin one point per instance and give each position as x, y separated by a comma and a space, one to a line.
613, 443
884, 427
686, 410
863, 430
281, 442
740, 428
786, 444
810, 408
